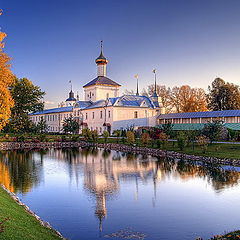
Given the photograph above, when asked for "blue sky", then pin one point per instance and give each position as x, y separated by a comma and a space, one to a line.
188, 42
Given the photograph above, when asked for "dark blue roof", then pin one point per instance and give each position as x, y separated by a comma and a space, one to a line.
102, 81
225, 113
54, 110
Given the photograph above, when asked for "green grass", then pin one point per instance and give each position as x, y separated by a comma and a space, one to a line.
20, 225
218, 150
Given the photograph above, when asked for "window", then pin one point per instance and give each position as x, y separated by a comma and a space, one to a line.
100, 130
135, 114
101, 114
109, 114
86, 116
90, 94
92, 115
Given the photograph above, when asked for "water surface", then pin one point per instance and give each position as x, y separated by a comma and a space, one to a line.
96, 194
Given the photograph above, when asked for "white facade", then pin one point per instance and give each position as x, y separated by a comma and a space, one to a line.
103, 108
99, 92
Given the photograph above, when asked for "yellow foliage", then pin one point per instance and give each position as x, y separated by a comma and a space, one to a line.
6, 79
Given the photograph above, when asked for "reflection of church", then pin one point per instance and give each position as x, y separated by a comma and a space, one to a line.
103, 171
102, 175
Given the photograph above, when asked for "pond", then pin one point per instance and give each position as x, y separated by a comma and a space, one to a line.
90, 194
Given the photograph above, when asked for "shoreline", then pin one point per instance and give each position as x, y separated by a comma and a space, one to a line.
32, 215
6, 146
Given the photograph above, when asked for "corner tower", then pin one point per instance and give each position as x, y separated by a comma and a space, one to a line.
101, 87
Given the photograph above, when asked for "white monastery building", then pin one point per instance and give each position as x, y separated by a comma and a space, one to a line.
103, 108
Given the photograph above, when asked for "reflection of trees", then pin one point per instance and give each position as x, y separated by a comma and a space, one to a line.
103, 170
22, 168
216, 175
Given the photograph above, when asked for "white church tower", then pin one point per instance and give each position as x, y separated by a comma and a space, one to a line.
101, 87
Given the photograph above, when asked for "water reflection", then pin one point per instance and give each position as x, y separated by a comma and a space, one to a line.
20, 172
103, 171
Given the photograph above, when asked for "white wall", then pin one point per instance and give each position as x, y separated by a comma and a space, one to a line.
100, 92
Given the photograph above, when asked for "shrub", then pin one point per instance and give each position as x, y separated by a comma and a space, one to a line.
87, 134
203, 142
145, 138
181, 141
130, 137
105, 136
94, 135
75, 138
42, 138
213, 130
163, 137
20, 138
167, 128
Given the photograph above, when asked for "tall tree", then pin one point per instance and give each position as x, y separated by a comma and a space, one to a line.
28, 98
223, 96
187, 99
6, 79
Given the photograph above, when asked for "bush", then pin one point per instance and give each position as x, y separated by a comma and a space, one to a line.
20, 138
213, 130
181, 141
42, 138
203, 142
105, 136
163, 137
75, 138
94, 136
87, 134
130, 137
145, 138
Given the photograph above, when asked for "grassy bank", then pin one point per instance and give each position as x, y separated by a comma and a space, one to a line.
17, 224
219, 150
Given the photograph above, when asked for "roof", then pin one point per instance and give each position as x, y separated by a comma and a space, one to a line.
101, 80
82, 104
224, 113
124, 101
134, 101
199, 126
54, 110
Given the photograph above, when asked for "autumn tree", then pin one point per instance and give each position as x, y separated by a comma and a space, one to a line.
187, 99
181, 99
28, 98
223, 95
6, 79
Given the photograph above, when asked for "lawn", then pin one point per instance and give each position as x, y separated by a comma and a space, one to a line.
218, 150
19, 224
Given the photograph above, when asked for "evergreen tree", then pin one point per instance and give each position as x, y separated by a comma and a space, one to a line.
70, 125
